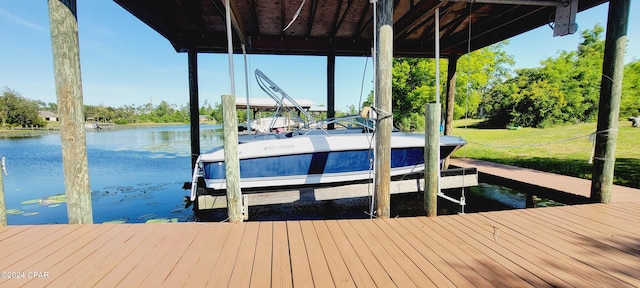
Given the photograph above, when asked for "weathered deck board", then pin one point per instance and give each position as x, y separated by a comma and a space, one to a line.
566, 255
317, 261
221, 274
196, 247
281, 261
480, 234
587, 245
356, 268
335, 261
244, 262
261, 273
300, 268
376, 271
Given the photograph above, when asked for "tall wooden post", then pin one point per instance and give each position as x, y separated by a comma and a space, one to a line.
451, 98
231, 161
609, 107
384, 124
331, 86
194, 111
3, 205
431, 161
66, 66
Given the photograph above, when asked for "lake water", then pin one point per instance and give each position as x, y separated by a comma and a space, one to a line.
137, 175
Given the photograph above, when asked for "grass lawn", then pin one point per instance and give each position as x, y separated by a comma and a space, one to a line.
563, 150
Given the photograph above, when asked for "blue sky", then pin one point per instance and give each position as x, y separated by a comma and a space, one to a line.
124, 62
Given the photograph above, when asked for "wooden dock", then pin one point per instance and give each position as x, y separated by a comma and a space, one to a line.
584, 245
593, 245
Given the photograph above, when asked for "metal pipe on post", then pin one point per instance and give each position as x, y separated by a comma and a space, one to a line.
3, 205
66, 66
193, 106
431, 161
231, 161
451, 98
610, 94
384, 124
246, 88
331, 87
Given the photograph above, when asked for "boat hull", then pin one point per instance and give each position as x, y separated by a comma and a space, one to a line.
316, 160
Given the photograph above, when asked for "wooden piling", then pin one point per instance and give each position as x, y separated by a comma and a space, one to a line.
384, 124
66, 66
231, 161
3, 205
431, 161
609, 107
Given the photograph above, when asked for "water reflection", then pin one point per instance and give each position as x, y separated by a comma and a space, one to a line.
132, 172
509, 197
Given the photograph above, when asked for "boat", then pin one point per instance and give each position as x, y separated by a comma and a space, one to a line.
314, 156
269, 124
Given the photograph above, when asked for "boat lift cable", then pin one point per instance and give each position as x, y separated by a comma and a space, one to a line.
437, 49
462, 197
374, 55
364, 73
371, 175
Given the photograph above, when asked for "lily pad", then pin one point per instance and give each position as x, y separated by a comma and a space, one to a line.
30, 213
32, 201
116, 221
162, 220
54, 205
14, 212
60, 198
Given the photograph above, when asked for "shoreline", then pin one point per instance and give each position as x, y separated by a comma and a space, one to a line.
8, 133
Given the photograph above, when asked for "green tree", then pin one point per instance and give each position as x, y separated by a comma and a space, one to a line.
630, 100
414, 84
477, 73
14, 109
564, 90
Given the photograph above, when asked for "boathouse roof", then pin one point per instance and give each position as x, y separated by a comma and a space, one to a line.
342, 26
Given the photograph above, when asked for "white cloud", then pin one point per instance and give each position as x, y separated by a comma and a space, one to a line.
21, 21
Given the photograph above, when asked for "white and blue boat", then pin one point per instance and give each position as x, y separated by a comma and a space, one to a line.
314, 156
316, 160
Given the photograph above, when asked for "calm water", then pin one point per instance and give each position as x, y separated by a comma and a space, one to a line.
136, 175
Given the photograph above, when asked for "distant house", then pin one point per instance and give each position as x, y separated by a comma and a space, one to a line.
48, 116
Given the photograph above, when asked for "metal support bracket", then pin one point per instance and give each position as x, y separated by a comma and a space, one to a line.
245, 207
565, 20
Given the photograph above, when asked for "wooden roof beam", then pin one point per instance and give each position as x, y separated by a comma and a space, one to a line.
515, 2
254, 16
312, 17
336, 27
423, 9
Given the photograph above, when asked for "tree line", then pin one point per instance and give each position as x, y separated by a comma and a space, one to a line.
564, 89
17, 111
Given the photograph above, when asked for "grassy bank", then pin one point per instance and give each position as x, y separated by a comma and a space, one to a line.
564, 150
24, 133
